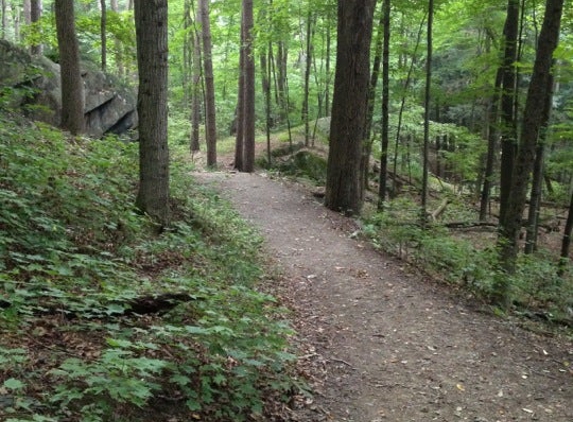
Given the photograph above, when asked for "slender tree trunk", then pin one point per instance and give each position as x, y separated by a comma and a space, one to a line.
405, 88
249, 103
493, 134
282, 89
509, 123
327, 63
72, 83
197, 90
266, 85
118, 45
27, 12
35, 15
532, 124
537, 181
3, 7
566, 242
427, 102
385, 106
240, 136
308, 65
152, 62
367, 147
103, 25
344, 191
210, 118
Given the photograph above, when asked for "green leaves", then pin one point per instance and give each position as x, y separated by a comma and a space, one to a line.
74, 256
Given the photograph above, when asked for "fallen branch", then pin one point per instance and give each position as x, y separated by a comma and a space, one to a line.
436, 214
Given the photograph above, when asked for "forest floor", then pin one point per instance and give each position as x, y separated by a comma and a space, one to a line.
379, 340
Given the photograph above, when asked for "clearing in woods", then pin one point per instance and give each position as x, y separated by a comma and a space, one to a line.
382, 343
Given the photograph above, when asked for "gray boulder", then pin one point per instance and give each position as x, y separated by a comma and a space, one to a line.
32, 85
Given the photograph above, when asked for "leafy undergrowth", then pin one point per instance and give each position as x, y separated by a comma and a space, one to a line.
468, 259
102, 319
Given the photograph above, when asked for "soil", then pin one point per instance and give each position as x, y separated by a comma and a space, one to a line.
380, 341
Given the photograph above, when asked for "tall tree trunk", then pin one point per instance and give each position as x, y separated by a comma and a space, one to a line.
427, 102
3, 29
492, 136
35, 15
210, 118
103, 28
385, 106
308, 64
249, 86
367, 147
509, 123
566, 242
537, 181
197, 93
152, 62
405, 88
327, 63
266, 85
72, 83
240, 136
282, 90
343, 188
532, 124
27, 12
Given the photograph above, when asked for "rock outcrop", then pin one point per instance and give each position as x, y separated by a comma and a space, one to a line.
32, 84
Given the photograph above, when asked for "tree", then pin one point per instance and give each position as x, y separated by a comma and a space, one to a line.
35, 15
509, 123
245, 143
566, 242
71, 77
152, 61
344, 191
427, 100
210, 117
385, 105
103, 35
537, 93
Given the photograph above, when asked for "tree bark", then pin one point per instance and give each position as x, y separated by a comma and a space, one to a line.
3, 7
385, 106
344, 191
152, 60
71, 78
266, 85
197, 92
308, 64
566, 242
26, 6
210, 117
509, 123
374, 76
249, 87
427, 102
510, 223
35, 15
492, 137
103, 25
537, 183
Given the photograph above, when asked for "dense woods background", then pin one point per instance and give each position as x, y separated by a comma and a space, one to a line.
451, 130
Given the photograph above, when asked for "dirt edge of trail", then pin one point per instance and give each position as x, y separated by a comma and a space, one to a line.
380, 342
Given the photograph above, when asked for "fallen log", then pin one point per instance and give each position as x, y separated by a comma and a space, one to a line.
143, 305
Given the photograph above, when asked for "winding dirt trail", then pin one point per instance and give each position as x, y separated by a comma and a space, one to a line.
385, 344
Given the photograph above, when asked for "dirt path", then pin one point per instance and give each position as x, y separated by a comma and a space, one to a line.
387, 345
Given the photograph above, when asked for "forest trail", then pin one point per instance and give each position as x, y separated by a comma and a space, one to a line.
383, 343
